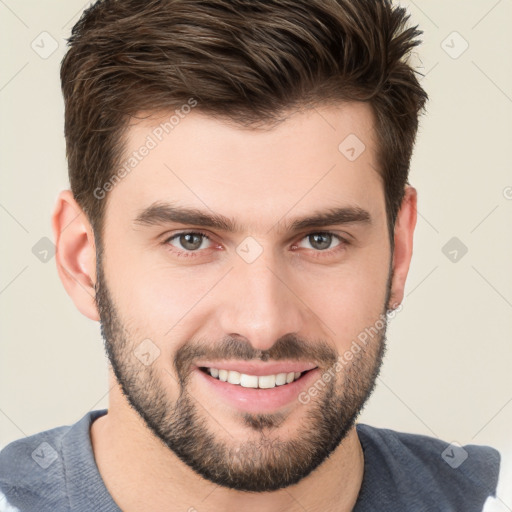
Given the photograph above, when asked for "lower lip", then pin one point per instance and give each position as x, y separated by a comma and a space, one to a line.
255, 400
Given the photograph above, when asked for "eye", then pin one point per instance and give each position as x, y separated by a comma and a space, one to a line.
321, 241
189, 241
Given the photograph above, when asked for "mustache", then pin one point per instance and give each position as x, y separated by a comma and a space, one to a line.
289, 346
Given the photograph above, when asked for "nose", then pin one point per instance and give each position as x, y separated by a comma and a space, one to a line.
259, 303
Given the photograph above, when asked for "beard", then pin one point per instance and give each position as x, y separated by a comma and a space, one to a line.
264, 462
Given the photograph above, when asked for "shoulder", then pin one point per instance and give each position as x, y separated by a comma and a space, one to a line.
427, 469
430, 451
33, 470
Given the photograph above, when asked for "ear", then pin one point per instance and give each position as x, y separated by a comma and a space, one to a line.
75, 253
403, 235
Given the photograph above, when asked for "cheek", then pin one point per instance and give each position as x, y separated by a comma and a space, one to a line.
162, 302
347, 300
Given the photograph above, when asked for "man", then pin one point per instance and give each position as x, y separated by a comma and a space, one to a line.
241, 224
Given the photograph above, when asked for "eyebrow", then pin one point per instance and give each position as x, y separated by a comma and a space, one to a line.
160, 213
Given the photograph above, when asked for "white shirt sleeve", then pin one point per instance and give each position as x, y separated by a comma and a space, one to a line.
503, 500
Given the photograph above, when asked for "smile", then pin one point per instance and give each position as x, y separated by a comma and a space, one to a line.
253, 381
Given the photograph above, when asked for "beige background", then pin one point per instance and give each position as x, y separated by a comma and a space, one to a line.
448, 369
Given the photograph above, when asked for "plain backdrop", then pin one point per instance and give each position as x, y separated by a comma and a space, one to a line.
447, 372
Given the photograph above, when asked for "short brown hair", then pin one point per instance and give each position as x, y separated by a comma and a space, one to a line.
249, 61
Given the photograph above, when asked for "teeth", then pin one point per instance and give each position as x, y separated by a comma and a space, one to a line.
254, 381
280, 378
233, 377
267, 381
248, 381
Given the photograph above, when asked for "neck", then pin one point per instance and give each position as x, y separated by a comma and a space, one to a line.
142, 474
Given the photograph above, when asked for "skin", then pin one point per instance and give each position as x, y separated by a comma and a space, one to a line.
258, 177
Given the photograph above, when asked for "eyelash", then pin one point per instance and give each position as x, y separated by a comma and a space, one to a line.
197, 253
185, 254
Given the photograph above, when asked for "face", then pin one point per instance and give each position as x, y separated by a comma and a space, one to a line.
263, 254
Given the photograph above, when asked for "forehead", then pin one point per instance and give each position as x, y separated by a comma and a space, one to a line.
320, 158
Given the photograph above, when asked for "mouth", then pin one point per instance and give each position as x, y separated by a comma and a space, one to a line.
256, 389
246, 380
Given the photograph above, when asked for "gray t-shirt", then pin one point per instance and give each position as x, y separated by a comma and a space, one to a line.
55, 471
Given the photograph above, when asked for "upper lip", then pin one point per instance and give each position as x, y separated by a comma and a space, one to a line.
259, 368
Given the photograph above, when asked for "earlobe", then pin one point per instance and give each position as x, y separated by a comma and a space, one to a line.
403, 237
75, 253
